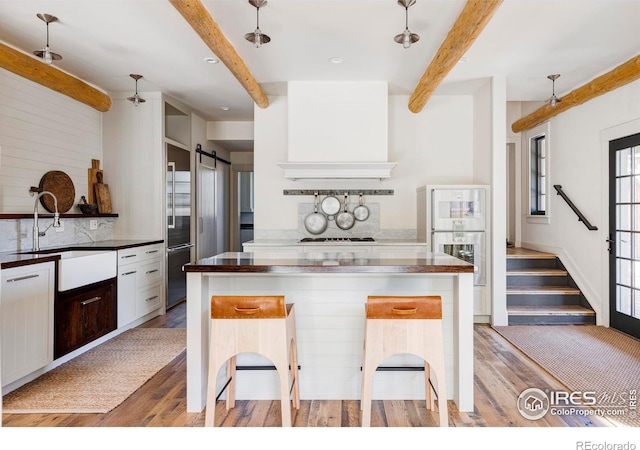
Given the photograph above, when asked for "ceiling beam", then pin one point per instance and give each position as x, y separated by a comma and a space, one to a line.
203, 24
33, 69
625, 73
474, 17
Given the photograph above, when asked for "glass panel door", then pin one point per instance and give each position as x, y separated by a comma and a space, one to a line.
624, 234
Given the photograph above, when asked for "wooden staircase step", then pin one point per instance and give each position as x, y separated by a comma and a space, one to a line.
547, 310
542, 290
525, 253
537, 272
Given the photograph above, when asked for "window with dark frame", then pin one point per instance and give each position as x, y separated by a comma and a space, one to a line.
538, 175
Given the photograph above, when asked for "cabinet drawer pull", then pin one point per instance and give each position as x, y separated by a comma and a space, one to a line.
151, 298
129, 273
152, 271
128, 256
91, 300
26, 277
151, 251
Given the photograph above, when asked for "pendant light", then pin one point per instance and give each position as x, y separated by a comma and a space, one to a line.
136, 99
554, 100
257, 37
406, 38
46, 54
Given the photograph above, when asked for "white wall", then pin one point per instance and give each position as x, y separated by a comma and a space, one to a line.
432, 147
579, 162
482, 134
42, 130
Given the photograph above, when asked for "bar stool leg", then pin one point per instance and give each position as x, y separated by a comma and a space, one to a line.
367, 388
293, 363
282, 367
443, 409
214, 367
427, 387
372, 359
231, 388
364, 364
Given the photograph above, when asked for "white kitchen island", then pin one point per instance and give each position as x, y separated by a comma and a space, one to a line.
329, 292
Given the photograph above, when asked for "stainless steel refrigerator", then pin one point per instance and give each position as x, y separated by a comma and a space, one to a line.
179, 243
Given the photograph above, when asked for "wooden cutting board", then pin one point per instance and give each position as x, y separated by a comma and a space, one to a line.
92, 180
103, 197
60, 185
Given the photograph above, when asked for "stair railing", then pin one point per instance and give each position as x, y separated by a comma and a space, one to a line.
575, 209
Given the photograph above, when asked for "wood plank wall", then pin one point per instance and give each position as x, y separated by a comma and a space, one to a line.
42, 130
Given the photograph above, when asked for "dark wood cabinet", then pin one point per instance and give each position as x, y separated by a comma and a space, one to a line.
83, 315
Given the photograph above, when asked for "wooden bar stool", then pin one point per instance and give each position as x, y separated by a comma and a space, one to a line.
256, 324
412, 325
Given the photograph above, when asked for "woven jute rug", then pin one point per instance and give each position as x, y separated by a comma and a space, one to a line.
587, 358
100, 379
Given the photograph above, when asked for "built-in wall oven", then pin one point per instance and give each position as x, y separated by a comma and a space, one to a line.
468, 246
458, 225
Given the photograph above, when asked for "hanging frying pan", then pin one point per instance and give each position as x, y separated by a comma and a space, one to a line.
361, 212
330, 205
345, 219
315, 223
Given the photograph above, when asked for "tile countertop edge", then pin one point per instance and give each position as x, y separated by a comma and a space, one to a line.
16, 259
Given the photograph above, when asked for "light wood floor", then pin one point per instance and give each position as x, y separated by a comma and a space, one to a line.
501, 373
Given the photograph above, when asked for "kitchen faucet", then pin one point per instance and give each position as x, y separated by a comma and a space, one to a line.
56, 220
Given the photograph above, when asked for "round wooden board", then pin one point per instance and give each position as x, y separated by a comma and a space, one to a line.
60, 185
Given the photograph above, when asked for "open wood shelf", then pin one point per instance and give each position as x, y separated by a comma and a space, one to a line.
62, 216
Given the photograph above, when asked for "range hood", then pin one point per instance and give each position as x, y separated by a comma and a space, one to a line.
324, 170
337, 129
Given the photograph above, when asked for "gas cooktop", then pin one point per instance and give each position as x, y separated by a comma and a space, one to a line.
338, 239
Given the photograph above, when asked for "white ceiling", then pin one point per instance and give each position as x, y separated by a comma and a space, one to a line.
103, 41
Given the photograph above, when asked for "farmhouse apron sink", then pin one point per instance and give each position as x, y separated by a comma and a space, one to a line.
78, 268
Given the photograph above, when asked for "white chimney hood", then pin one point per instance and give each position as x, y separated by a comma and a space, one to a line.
337, 129
317, 170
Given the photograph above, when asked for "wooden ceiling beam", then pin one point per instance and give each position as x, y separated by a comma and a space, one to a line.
33, 69
474, 17
203, 24
625, 73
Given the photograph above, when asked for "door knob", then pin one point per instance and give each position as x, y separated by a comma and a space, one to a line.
610, 242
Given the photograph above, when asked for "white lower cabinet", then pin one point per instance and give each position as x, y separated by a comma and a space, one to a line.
140, 282
26, 319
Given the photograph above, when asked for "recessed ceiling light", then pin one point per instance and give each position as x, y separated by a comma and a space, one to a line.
336, 60
225, 108
212, 60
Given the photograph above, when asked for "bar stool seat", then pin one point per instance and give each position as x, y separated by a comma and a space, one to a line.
257, 324
405, 324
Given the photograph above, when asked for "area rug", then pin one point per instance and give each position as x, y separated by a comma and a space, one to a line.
587, 358
100, 379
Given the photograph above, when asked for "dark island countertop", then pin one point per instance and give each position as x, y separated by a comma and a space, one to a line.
320, 262
26, 257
